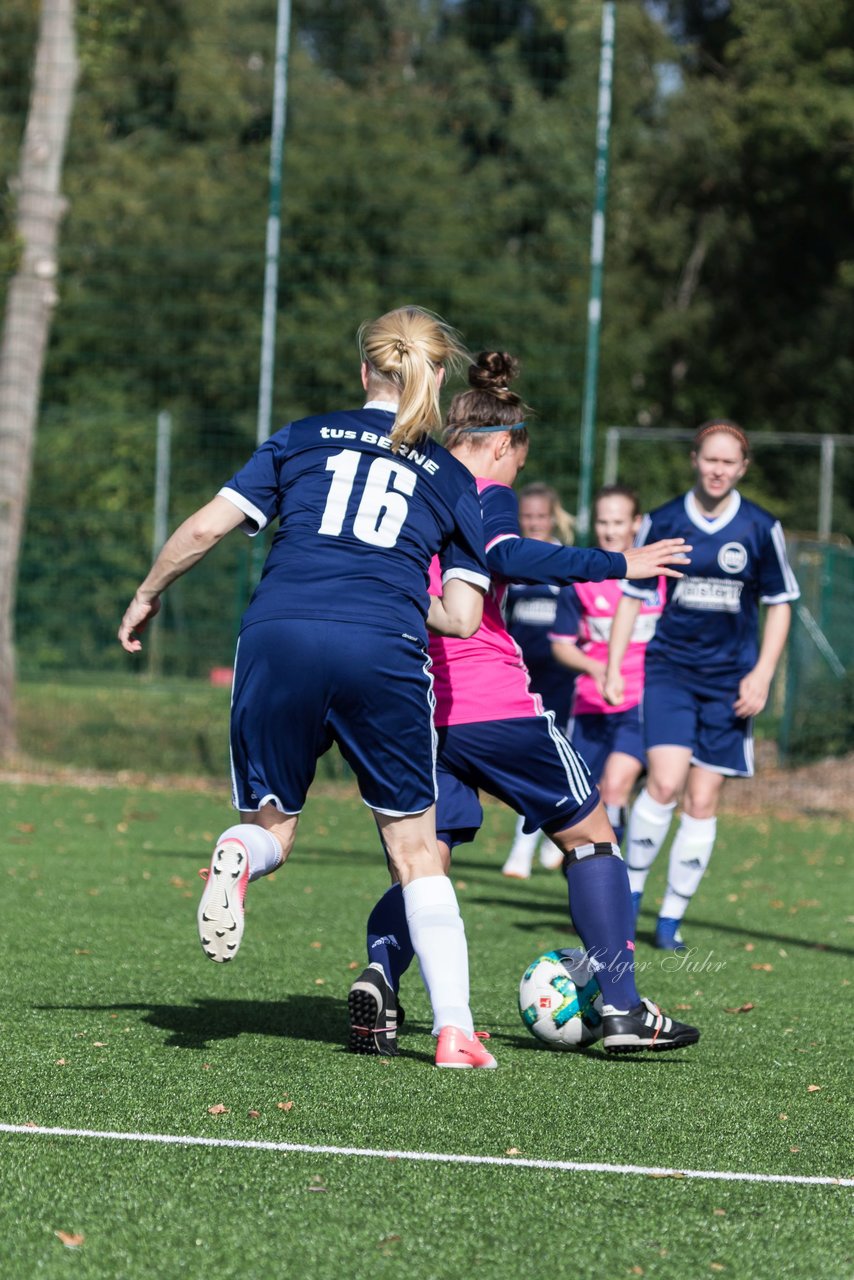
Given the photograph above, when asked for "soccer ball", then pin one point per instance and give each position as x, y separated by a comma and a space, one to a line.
560, 1001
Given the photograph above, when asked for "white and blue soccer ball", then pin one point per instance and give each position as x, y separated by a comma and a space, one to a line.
560, 1001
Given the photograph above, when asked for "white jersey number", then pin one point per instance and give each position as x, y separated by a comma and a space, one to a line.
383, 506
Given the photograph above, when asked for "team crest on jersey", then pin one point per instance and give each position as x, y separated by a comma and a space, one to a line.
732, 557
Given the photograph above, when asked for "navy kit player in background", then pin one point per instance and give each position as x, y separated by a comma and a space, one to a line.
706, 673
333, 644
529, 609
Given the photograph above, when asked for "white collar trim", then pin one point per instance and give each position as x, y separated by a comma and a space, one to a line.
695, 515
388, 406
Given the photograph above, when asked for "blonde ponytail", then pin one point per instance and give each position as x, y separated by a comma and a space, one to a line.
406, 348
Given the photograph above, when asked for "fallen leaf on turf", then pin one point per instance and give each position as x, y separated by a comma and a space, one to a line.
719, 1213
354, 964
316, 945
254, 1114
285, 1106
742, 1008
512, 1151
25, 827
748, 946
389, 1240
30, 1124
71, 1239
794, 1150
783, 1115
177, 882
217, 1109
636, 1271
462, 884
61, 1062
320, 982
674, 1174
80, 951
813, 1088
766, 968
682, 1006
317, 1188
99, 1044
717, 1266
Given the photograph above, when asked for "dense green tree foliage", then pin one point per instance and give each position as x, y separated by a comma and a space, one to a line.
441, 153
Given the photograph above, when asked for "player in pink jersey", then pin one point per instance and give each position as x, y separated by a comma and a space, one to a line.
494, 734
610, 738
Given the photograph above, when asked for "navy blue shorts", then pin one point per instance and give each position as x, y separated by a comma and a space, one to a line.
299, 686
682, 712
596, 736
525, 762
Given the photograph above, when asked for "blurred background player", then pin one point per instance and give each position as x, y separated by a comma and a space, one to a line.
333, 644
608, 737
529, 609
494, 734
706, 674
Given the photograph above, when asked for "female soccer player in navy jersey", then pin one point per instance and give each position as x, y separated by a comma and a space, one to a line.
530, 609
333, 644
494, 734
706, 675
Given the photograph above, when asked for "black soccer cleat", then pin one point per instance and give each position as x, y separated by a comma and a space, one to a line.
374, 1015
645, 1028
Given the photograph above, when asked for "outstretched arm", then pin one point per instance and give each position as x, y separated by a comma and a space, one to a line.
190, 542
754, 687
529, 560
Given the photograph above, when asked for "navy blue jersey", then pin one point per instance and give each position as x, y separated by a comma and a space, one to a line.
358, 524
710, 621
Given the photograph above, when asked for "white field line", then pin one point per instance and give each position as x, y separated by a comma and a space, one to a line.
429, 1157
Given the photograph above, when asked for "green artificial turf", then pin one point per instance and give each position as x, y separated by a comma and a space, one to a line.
112, 1019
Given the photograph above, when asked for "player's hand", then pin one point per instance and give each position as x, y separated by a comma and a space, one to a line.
752, 694
657, 558
598, 671
137, 617
614, 689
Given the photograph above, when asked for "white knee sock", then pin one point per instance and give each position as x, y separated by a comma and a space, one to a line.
524, 847
265, 852
649, 823
439, 940
689, 857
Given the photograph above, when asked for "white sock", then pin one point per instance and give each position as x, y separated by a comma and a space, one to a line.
524, 847
689, 857
439, 941
647, 830
265, 852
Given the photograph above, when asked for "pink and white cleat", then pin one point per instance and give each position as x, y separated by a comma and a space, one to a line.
456, 1049
220, 914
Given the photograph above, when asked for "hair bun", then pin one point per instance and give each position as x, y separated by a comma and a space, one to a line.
493, 371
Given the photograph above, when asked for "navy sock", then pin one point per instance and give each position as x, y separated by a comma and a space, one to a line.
600, 904
389, 943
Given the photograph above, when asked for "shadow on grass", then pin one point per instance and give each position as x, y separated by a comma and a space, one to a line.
206, 1021
742, 931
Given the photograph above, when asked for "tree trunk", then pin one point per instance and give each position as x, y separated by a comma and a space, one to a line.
29, 305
